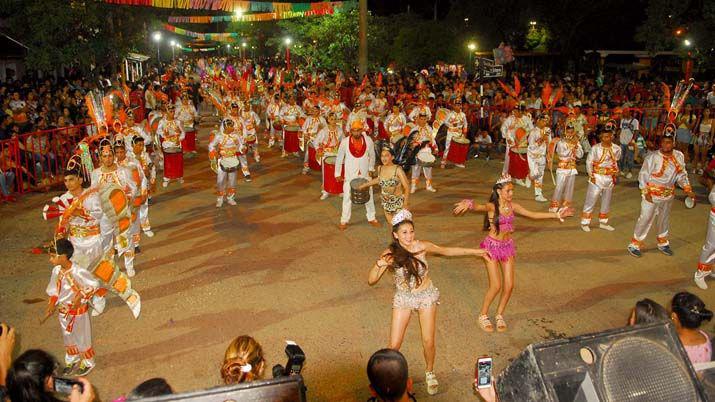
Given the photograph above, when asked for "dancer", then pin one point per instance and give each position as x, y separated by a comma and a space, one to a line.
414, 290
456, 124
602, 169
171, 133
569, 150
707, 255
357, 154
70, 288
250, 122
660, 172
140, 154
515, 130
539, 140
499, 221
394, 186
140, 181
225, 150
422, 139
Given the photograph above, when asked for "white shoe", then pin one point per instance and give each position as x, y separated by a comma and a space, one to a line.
460, 165
230, 201
258, 158
432, 383
181, 180
629, 175
585, 228
540, 198
528, 183
431, 189
283, 154
219, 202
306, 170
324, 196
130, 272
165, 183
520, 182
413, 188
606, 226
700, 279
148, 233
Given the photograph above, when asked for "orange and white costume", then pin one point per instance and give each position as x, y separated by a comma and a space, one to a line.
602, 169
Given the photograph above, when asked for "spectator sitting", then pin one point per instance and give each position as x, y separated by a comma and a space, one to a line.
647, 311
484, 144
243, 361
688, 312
150, 388
31, 378
389, 379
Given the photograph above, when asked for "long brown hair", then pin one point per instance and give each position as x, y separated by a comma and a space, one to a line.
402, 258
242, 351
493, 199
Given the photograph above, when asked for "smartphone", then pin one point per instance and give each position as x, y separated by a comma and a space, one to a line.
483, 372
64, 385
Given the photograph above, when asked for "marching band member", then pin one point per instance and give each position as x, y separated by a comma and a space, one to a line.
250, 122
133, 129
421, 108
272, 116
327, 142
456, 124
396, 121
657, 178
602, 169
110, 172
186, 113
357, 154
289, 115
515, 130
142, 157
377, 111
311, 126
707, 255
70, 288
569, 150
539, 140
359, 113
423, 139
224, 150
140, 180
171, 133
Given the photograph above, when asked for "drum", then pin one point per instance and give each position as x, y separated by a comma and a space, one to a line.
292, 142
312, 160
382, 132
359, 196
458, 150
188, 144
330, 183
173, 163
250, 139
277, 126
229, 164
425, 157
370, 125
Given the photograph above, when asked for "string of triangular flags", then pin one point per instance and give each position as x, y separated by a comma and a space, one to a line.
234, 5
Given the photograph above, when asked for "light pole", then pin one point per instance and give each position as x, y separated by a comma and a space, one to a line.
243, 49
157, 38
689, 61
472, 47
287, 42
173, 46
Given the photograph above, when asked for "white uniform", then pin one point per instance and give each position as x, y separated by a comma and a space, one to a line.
171, 133
456, 127
83, 228
568, 152
657, 177
707, 255
289, 115
420, 109
250, 122
356, 165
186, 113
140, 180
327, 143
377, 111
311, 126
539, 140
602, 169
149, 170
226, 145
395, 123
76, 328
424, 134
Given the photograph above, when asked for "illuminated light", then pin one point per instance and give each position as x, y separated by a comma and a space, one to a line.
156, 36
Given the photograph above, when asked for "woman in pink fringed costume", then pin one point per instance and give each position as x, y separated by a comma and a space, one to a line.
499, 221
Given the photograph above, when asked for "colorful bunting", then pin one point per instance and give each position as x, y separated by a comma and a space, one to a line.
207, 19
221, 37
245, 6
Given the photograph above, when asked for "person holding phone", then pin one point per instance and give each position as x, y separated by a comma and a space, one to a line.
414, 290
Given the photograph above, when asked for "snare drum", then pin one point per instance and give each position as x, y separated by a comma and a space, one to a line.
188, 144
359, 196
250, 139
173, 163
291, 142
458, 150
312, 159
229, 164
330, 182
425, 157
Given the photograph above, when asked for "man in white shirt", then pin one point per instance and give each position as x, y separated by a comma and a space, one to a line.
627, 136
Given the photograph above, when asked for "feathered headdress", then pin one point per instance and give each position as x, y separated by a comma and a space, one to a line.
215, 99
549, 98
513, 92
97, 109
674, 105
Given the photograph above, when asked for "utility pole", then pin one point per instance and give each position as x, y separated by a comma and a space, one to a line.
362, 51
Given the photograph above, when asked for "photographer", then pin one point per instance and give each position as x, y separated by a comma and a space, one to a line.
389, 379
243, 361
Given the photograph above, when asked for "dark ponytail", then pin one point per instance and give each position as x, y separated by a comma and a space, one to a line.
402, 258
690, 310
494, 200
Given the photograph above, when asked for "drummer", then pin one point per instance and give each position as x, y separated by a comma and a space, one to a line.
171, 133
289, 116
326, 145
224, 149
357, 154
395, 122
273, 118
311, 126
422, 139
250, 122
456, 124
378, 110
186, 114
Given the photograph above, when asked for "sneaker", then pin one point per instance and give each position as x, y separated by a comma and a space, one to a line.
130, 272
629, 175
413, 188
476, 156
700, 279
431, 189
231, 201
247, 178
606, 226
442, 165
541, 198
460, 165
634, 251
305, 170
432, 383
487, 158
149, 233
84, 369
181, 180
622, 174
520, 182
219, 202
324, 196
165, 183
527, 183
585, 228
666, 250
69, 368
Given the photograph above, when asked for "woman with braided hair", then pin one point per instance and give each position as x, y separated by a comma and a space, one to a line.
243, 361
414, 291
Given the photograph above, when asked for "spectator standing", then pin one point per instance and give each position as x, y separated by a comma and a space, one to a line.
627, 136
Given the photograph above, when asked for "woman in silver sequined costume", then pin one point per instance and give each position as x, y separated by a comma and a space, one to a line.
394, 186
414, 291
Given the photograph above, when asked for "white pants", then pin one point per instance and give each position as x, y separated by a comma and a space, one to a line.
226, 183
658, 211
77, 337
348, 205
593, 193
563, 193
417, 169
707, 255
537, 167
144, 216
447, 143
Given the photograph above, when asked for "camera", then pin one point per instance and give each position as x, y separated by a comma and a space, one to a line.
64, 385
294, 365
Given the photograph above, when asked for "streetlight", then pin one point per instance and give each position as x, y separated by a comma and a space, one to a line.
532, 23
689, 61
472, 47
239, 13
287, 41
687, 43
243, 49
157, 38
